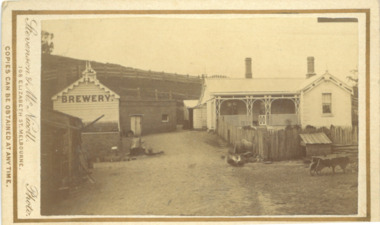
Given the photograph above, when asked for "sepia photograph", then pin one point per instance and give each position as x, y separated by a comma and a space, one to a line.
200, 115
190, 112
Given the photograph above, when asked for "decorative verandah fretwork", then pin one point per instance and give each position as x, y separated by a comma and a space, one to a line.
249, 101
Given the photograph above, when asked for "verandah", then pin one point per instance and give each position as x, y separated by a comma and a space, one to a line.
277, 110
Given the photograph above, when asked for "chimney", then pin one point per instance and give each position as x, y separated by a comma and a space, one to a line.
248, 68
310, 67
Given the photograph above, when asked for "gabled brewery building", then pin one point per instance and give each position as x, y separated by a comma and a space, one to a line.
107, 116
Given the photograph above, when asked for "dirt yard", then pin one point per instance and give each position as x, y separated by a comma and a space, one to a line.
192, 179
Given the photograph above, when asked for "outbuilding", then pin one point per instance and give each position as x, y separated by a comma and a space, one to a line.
200, 117
60, 155
316, 144
188, 113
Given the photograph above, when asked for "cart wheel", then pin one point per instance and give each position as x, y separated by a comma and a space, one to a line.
312, 168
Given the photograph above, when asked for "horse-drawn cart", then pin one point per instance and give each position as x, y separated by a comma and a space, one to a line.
331, 161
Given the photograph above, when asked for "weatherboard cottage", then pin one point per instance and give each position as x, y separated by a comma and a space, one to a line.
315, 100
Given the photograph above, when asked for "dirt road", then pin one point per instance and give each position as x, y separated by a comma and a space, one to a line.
192, 179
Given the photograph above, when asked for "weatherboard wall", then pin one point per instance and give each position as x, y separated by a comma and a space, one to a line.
200, 117
88, 101
311, 106
211, 114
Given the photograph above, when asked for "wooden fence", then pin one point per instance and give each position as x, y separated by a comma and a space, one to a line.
282, 144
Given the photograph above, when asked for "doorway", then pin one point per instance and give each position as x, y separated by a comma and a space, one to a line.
136, 125
191, 118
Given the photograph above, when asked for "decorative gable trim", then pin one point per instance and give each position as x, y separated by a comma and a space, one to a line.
85, 80
327, 78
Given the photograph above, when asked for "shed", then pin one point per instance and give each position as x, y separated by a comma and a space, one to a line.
200, 117
60, 155
188, 113
316, 144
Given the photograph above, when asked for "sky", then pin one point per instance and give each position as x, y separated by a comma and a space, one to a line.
203, 45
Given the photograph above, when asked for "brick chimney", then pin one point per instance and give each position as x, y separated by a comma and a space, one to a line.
310, 67
248, 68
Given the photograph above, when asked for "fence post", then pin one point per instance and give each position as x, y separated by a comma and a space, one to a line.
282, 144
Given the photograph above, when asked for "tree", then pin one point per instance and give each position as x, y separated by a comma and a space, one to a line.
47, 45
354, 99
354, 78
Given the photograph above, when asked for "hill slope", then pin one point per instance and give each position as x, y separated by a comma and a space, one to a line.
58, 72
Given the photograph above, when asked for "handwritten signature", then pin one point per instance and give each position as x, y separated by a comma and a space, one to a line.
31, 196
32, 127
31, 100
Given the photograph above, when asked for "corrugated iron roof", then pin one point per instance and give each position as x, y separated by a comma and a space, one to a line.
243, 86
257, 85
315, 138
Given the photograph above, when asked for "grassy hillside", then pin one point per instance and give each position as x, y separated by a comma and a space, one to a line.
58, 72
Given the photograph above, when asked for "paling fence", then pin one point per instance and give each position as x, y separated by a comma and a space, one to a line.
282, 143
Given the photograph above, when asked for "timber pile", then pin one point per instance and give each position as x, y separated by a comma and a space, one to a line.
131, 147
349, 150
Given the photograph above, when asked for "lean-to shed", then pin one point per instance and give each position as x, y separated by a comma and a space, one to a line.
316, 144
60, 155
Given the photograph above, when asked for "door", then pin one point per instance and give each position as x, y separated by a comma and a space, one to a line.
262, 120
136, 125
191, 119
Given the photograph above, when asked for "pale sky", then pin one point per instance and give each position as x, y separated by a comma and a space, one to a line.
278, 46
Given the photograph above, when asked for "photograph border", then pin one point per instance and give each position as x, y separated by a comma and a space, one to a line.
365, 11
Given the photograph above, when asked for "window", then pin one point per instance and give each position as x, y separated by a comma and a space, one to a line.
326, 103
165, 118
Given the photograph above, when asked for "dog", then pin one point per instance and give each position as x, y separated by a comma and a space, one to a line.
317, 164
234, 160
